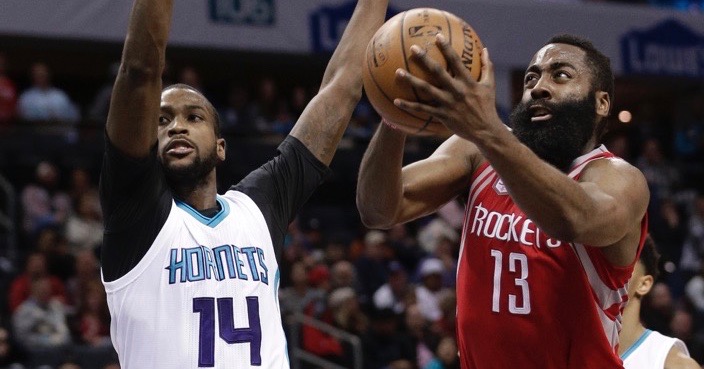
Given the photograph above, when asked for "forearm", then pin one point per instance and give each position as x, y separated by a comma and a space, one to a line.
347, 61
325, 119
379, 183
549, 197
134, 107
144, 50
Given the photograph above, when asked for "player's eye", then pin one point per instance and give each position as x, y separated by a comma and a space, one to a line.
530, 79
561, 74
194, 118
163, 120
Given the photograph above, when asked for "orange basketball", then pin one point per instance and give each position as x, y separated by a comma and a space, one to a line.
390, 49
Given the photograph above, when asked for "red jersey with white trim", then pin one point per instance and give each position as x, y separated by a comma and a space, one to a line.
526, 300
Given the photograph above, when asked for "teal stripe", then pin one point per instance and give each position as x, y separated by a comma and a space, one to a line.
210, 222
635, 345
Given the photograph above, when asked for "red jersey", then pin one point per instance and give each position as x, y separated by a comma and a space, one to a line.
528, 301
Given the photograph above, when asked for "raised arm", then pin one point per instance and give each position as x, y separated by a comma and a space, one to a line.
325, 119
388, 194
134, 107
606, 206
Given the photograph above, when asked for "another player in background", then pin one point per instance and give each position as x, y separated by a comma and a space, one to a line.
642, 348
192, 276
554, 222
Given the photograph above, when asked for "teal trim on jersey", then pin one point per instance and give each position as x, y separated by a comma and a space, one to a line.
277, 280
635, 345
210, 222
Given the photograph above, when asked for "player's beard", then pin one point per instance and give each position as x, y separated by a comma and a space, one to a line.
193, 174
563, 137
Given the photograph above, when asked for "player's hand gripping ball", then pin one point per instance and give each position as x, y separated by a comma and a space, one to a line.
389, 49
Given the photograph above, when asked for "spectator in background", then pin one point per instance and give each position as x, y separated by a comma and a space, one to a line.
343, 274
694, 291
84, 227
693, 247
98, 111
661, 175
44, 102
8, 95
446, 355
189, 75
10, 354
235, 116
385, 345
396, 293
43, 203
35, 268
430, 291
294, 298
265, 107
298, 101
40, 321
93, 317
87, 272
422, 334
371, 266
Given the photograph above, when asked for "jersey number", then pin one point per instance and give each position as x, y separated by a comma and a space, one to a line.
517, 264
205, 306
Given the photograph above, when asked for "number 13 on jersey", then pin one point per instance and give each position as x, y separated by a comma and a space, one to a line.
518, 267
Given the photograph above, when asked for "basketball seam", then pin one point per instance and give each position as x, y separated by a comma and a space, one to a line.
403, 49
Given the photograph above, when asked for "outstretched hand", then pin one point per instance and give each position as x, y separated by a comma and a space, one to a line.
465, 106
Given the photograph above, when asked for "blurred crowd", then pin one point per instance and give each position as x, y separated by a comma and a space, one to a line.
394, 289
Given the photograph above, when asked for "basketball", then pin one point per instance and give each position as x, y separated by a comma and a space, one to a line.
390, 49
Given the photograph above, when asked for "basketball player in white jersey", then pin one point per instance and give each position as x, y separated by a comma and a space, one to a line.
192, 276
643, 348
553, 223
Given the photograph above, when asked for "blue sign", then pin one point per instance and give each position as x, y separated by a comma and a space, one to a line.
243, 12
328, 23
669, 49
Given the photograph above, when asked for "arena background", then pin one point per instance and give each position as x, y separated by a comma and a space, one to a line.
260, 61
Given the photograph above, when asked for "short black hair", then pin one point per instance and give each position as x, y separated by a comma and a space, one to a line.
216, 115
650, 258
600, 65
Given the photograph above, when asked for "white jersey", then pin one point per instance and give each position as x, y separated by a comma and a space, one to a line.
650, 351
204, 295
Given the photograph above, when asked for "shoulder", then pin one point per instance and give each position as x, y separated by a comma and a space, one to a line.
617, 175
676, 359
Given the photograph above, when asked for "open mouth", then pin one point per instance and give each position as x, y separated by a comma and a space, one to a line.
539, 113
179, 147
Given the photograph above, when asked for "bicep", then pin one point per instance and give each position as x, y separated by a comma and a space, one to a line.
430, 183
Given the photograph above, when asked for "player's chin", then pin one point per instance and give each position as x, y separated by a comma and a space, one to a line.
178, 163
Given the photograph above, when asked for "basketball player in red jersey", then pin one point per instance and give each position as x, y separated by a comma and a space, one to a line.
554, 222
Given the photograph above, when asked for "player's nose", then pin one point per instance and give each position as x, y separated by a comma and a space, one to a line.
541, 90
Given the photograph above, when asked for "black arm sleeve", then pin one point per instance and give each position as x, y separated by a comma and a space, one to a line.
136, 202
281, 186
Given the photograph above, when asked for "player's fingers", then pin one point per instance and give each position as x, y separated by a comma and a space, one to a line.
487, 76
454, 61
433, 68
422, 89
416, 107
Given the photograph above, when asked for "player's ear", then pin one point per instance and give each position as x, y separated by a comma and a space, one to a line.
221, 148
644, 284
603, 103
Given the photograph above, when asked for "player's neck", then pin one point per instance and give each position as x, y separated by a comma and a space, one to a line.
200, 195
632, 328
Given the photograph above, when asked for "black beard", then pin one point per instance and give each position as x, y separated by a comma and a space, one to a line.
561, 139
192, 175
